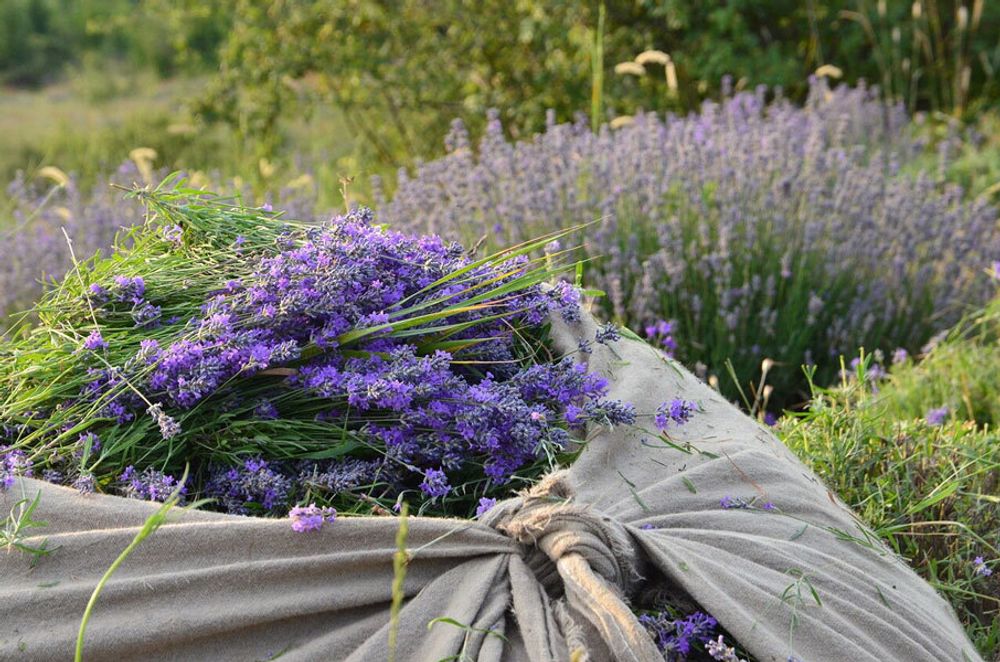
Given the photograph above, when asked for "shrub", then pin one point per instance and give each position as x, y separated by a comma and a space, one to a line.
400, 70
761, 231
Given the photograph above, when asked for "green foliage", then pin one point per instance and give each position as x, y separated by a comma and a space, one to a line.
31, 44
14, 533
929, 491
960, 373
975, 161
941, 56
39, 37
402, 70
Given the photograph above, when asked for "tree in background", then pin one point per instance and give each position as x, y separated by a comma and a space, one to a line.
401, 70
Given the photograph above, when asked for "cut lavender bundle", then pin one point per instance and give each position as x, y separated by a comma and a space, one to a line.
338, 366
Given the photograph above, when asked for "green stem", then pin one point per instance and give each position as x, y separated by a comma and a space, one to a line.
151, 524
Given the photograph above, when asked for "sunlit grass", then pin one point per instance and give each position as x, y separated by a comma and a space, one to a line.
929, 490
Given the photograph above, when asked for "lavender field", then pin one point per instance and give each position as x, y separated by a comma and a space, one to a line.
311, 262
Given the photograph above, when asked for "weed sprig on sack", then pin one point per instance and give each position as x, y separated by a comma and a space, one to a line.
335, 367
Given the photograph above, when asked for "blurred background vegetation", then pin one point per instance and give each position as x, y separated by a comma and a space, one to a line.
362, 87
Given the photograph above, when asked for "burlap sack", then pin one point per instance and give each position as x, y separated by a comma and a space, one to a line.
547, 576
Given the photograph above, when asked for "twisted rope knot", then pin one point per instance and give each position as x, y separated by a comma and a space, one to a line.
550, 526
583, 559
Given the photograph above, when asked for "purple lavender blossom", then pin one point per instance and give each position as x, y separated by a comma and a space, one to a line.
89, 444
678, 412
610, 412
169, 428
719, 650
937, 416
257, 485
674, 636
980, 568
145, 314
607, 333
730, 502
95, 341
127, 289
310, 518
435, 483
150, 485
661, 333
149, 351
899, 355
266, 411
566, 300
14, 462
485, 503
53, 476
84, 483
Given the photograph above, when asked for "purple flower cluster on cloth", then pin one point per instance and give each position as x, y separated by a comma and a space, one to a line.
676, 637
349, 275
730, 502
485, 504
677, 412
257, 486
150, 485
661, 334
608, 333
84, 483
311, 517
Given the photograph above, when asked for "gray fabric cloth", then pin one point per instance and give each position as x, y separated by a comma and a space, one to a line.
552, 572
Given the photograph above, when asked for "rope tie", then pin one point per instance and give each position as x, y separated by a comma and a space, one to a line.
582, 557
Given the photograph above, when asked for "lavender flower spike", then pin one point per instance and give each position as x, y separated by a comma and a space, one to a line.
310, 518
169, 428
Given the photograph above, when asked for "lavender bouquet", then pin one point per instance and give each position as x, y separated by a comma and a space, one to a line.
296, 368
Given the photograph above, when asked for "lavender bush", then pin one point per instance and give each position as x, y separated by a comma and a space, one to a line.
757, 230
